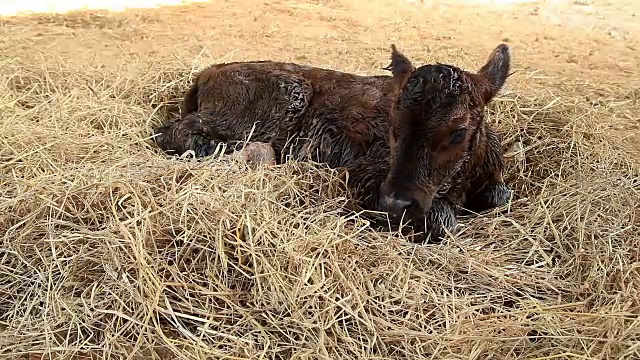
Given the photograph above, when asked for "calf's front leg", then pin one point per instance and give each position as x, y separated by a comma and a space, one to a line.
488, 190
440, 219
491, 194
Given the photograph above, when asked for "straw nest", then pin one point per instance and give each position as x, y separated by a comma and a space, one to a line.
110, 248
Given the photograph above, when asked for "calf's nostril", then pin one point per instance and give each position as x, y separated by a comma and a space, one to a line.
398, 205
403, 204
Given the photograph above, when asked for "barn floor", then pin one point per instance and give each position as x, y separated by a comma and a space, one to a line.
589, 46
108, 248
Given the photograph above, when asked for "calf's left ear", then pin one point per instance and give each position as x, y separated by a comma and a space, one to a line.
495, 72
400, 67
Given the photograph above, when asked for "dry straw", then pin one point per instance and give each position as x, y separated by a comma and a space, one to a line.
111, 249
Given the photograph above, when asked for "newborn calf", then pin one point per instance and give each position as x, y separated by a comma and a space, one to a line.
415, 144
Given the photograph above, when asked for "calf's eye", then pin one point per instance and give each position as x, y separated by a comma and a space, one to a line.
457, 136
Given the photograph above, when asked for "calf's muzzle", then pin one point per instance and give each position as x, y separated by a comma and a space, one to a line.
411, 203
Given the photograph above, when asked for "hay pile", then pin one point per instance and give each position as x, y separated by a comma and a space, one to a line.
111, 249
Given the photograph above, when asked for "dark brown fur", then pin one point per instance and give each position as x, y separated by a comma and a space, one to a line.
414, 144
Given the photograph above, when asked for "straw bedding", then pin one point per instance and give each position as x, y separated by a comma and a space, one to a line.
110, 248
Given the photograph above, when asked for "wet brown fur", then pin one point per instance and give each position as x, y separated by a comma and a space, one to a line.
393, 134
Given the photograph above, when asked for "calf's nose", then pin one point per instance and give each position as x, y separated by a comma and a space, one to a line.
397, 205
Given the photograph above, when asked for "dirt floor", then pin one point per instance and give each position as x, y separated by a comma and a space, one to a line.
556, 277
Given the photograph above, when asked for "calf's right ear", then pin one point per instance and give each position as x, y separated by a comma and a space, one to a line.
496, 71
400, 67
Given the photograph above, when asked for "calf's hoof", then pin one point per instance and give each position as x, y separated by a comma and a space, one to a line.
257, 154
490, 197
161, 137
440, 219
201, 146
499, 195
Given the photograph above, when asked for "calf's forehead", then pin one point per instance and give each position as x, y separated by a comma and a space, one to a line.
435, 96
441, 78
436, 86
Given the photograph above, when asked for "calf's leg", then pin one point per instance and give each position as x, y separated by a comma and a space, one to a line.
492, 194
431, 228
185, 134
365, 178
440, 219
488, 190
257, 154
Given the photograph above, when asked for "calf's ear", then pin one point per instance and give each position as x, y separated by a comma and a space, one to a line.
400, 67
495, 72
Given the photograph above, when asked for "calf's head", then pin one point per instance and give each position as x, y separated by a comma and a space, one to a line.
434, 125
